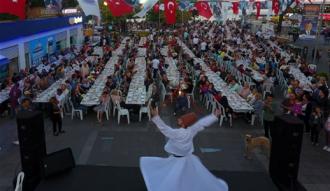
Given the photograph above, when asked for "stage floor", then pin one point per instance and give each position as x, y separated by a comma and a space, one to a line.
108, 178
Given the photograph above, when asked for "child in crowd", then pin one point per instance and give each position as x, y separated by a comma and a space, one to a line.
316, 125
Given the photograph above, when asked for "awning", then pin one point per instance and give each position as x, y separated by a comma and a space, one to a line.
3, 60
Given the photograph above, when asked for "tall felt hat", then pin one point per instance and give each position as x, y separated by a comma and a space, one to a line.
188, 119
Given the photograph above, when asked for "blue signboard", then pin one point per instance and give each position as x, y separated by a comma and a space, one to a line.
4, 66
51, 44
38, 49
31, 27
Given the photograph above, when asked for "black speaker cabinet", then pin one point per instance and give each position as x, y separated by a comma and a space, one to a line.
58, 162
287, 134
31, 137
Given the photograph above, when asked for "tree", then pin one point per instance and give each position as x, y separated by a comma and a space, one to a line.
282, 14
36, 3
69, 3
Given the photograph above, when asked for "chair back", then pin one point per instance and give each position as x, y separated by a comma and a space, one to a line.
222, 109
118, 105
19, 182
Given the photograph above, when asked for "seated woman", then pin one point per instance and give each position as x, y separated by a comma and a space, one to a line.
233, 86
76, 99
245, 91
103, 106
211, 89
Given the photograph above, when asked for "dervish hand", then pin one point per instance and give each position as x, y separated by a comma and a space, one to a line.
217, 112
154, 111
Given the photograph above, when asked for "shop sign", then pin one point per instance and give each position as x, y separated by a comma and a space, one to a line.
75, 20
69, 11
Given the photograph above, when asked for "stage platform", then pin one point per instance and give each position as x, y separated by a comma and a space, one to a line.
108, 178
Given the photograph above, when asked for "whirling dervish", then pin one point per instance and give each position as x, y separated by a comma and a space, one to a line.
182, 170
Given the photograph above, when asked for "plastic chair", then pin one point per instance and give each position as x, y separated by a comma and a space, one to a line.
19, 181
75, 111
107, 110
121, 112
223, 116
190, 96
164, 93
145, 109
260, 117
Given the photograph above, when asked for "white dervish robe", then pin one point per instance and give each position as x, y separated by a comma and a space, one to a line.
185, 173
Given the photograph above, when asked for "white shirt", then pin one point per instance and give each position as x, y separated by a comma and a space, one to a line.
195, 40
180, 141
203, 45
155, 63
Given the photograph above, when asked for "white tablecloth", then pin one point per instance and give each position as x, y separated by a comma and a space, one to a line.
186, 50
92, 97
4, 94
143, 41
298, 75
137, 90
164, 51
142, 52
172, 72
98, 51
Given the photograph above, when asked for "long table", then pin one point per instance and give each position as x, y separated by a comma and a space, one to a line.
92, 97
164, 51
172, 72
142, 52
236, 102
137, 91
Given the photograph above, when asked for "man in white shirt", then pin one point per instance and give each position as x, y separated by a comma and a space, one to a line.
195, 41
155, 64
203, 46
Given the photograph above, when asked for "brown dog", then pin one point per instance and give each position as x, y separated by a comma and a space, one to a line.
253, 142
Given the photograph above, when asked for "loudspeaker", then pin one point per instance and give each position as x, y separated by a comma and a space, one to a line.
58, 162
31, 137
287, 134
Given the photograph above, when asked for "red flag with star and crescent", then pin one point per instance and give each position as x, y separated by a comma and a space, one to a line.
235, 8
119, 8
170, 10
258, 5
204, 9
13, 7
276, 6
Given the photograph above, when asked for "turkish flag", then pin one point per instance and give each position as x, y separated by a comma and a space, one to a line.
170, 9
276, 6
13, 7
204, 9
258, 9
235, 8
156, 8
119, 8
